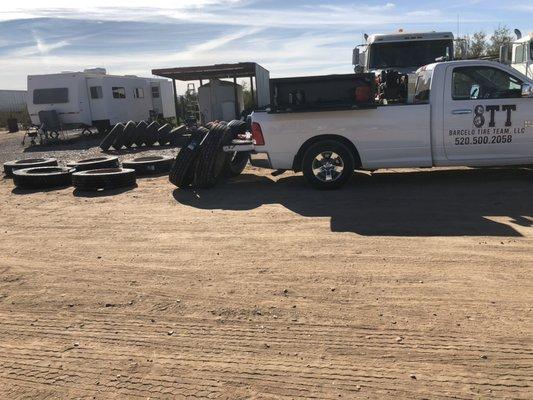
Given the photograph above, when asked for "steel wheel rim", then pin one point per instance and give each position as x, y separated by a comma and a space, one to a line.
327, 166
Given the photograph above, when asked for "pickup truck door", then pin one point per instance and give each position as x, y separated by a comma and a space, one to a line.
485, 116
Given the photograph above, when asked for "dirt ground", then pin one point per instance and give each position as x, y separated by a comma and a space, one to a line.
411, 284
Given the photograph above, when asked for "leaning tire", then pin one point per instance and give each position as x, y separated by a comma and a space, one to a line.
150, 136
212, 158
129, 134
163, 134
177, 134
11, 166
108, 141
236, 164
140, 131
95, 163
181, 172
107, 178
328, 165
42, 177
152, 165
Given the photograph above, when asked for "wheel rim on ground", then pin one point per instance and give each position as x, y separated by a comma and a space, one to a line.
327, 166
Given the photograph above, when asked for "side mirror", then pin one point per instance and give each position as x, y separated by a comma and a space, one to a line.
355, 56
527, 90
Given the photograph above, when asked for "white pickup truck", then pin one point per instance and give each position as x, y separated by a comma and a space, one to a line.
466, 113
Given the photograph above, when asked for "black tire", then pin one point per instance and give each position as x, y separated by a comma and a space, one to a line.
102, 128
181, 172
237, 163
212, 159
163, 134
150, 135
140, 131
151, 165
95, 163
129, 134
11, 166
177, 134
337, 170
107, 178
111, 136
42, 177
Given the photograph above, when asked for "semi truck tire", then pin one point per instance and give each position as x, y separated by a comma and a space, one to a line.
150, 136
95, 163
108, 141
11, 166
140, 131
106, 178
163, 134
177, 134
152, 165
129, 134
212, 158
42, 177
327, 165
182, 169
236, 162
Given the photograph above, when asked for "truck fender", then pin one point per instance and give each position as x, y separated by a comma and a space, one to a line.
297, 162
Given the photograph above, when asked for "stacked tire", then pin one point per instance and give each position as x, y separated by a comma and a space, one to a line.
43, 177
11, 166
202, 162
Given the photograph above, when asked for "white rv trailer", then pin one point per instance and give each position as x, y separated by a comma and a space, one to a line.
94, 98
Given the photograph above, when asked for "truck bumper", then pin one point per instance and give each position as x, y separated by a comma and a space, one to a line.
257, 159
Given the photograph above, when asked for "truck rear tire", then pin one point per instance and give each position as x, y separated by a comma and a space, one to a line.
327, 165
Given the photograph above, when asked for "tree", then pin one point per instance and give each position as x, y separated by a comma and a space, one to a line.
477, 45
501, 36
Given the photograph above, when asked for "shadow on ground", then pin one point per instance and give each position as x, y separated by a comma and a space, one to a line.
420, 203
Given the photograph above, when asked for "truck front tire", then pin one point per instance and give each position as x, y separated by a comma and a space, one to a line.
327, 165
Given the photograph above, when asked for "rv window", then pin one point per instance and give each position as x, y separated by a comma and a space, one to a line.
50, 96
119, 93
138, 93
155, 92
96, 92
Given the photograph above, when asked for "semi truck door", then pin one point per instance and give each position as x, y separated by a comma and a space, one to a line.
485, 116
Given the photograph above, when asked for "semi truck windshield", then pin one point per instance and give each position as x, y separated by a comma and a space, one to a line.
407, 54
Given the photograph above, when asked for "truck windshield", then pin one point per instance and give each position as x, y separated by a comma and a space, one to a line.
407, 54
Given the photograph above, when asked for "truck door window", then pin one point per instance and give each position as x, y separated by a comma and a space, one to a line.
520, 54
119, 92
470, 83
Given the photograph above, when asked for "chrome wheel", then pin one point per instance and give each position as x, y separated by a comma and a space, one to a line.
327, 166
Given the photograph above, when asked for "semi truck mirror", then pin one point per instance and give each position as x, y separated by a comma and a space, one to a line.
527, 90
355, 56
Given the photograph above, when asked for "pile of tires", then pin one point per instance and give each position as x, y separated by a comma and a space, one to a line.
139, 134
202, 163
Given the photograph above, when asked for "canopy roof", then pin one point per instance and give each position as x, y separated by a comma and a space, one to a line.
217, 71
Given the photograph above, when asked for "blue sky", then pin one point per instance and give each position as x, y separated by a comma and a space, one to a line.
286, 37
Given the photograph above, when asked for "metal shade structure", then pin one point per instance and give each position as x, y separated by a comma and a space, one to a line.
260, 91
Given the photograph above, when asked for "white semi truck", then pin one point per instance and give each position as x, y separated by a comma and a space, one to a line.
404, 52
519, 54
465, 113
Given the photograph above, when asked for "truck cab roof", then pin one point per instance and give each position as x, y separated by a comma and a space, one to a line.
408, 36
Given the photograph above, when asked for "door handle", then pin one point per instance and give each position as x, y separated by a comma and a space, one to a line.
461, 112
